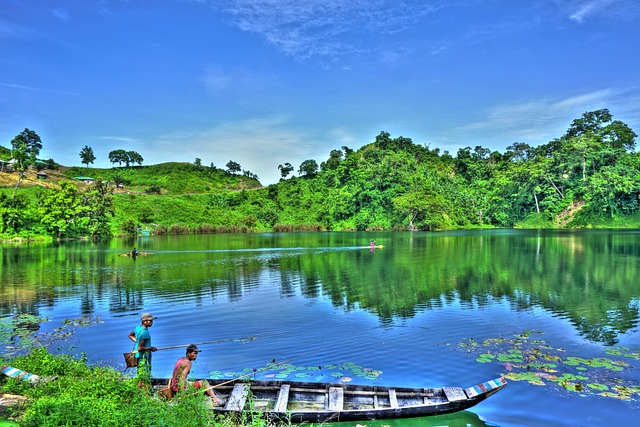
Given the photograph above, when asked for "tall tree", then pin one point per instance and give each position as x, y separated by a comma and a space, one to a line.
98, 209
60, 209
133, 157
308, 168
86, 155
25, 149
233, 167
118, 156
285, 170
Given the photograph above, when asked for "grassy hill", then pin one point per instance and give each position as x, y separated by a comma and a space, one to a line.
168, 197
169, 178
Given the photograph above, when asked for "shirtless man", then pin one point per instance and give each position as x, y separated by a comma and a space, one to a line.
181, 371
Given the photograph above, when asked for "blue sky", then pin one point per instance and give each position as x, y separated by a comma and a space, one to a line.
264, 82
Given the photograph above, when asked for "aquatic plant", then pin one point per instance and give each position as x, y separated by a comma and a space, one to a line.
527, 358
21, 332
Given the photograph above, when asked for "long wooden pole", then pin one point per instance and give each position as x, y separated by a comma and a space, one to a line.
250, 338
266, 368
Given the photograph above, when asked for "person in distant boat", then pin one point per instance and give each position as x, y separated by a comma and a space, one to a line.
181, 370
134, 253
372, 243
142, 339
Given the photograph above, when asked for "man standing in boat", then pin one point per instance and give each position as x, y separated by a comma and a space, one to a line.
142, 339
181, 371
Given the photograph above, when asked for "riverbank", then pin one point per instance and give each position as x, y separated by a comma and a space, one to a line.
83, 395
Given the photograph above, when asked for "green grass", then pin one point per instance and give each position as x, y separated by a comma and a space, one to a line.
171, 178
84, 395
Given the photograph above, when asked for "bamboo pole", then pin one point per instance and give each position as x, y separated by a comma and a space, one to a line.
249, 337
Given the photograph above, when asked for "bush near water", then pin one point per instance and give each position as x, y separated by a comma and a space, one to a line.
84, 395
588, 177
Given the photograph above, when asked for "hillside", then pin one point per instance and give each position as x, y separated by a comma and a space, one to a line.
167, 178
9, 179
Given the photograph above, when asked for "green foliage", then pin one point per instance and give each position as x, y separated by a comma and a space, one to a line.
129, 228
87, 156
127, 157
589, 177
172, 178
96, 396
68, 212
154, 189
25, 149
233, 167
5, 153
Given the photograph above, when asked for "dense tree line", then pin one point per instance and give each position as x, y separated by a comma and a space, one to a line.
591, 174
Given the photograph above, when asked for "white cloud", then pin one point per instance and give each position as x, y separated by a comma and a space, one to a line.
582, 10
538, 121
256, 144
308, 28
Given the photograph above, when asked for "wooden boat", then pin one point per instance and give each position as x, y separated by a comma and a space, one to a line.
136, 255
298, 402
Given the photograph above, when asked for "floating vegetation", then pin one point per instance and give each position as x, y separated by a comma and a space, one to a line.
19, 330
537, 362
333, 373
22, 331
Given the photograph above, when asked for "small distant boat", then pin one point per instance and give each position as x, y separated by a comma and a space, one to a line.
136, 255
373, 247
308, 402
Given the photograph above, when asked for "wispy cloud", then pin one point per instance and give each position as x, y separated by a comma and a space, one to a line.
62, 15
216, 79
322, 28
37, 89
120, 139
257, 144
11, 30
538, 121
582, 10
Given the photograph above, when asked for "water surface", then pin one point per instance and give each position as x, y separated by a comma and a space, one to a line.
336, 311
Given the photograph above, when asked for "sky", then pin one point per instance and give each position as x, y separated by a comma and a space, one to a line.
266, 82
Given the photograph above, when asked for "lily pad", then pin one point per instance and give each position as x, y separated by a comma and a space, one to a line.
526, 357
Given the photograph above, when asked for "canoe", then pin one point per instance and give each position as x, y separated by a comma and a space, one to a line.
300, 402
374, 247
137, 254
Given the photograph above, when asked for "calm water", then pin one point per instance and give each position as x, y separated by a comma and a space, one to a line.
402, 315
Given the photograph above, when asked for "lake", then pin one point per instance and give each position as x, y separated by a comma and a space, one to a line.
555, 311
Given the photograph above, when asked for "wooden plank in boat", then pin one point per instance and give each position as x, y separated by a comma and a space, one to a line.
336, 398
356, 392
283, 398
238, 397
393, 399
454, 394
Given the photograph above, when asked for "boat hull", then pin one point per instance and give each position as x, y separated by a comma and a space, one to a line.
298, 402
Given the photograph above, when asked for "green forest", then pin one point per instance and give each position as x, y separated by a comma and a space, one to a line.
588, 177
